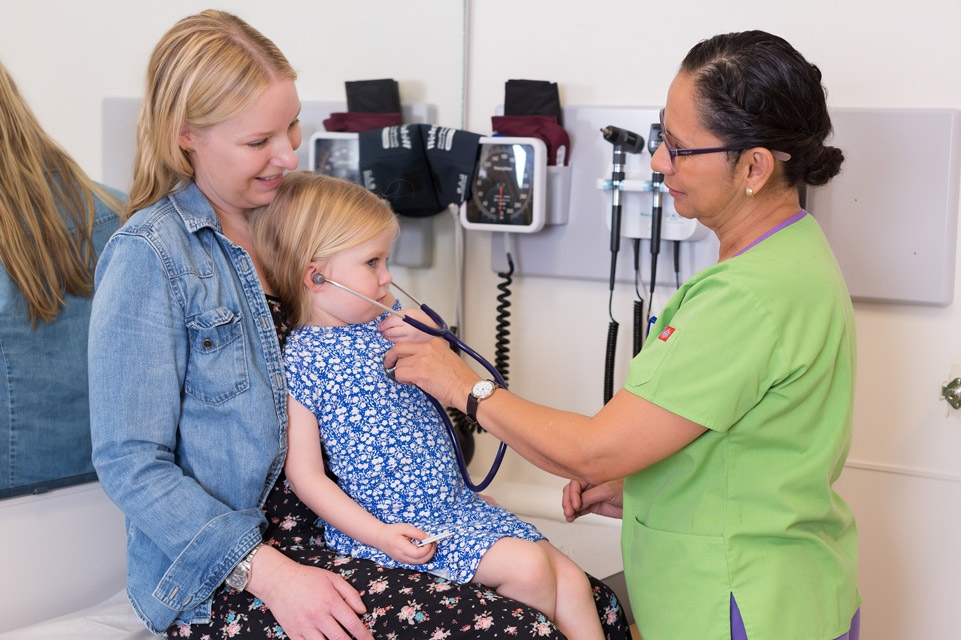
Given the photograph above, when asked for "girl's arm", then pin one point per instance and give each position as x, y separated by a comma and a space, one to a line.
305, 472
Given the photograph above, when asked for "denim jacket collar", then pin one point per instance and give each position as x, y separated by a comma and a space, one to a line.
194, 209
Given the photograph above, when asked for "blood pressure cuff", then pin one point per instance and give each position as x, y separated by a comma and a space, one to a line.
357, 122
419, 168
371, 104
544, 127
532, 98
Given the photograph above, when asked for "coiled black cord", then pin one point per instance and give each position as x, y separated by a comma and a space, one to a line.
610, 353
502, 335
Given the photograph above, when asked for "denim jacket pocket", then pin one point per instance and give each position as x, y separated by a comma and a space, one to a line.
217, 369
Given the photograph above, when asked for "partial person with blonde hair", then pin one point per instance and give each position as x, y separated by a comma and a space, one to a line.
326, 243
188, 393
54, 221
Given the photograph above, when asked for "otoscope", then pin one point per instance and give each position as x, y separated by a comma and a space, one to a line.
624, 142
657, 179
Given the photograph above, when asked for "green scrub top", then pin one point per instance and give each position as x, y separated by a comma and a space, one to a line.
760, 350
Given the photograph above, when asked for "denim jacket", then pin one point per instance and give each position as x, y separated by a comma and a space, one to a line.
187, 403
44, 418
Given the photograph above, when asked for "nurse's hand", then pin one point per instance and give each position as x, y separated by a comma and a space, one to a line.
604, 499
308, 602
396, 330
436, 369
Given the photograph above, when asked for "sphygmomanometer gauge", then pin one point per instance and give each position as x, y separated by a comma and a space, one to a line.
336, 154
508, 186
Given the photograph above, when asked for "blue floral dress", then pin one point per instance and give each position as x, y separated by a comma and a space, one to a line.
390, 451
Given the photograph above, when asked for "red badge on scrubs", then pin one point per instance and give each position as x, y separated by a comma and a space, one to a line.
667, 333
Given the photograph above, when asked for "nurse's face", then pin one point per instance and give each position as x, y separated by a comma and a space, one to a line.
703, 186
238, 163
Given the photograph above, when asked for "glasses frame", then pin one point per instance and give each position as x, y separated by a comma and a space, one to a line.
674, 152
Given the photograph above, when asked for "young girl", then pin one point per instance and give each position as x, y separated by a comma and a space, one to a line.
395, 466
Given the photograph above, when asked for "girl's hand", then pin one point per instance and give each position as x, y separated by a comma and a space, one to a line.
395, 541
396, 330
604, 499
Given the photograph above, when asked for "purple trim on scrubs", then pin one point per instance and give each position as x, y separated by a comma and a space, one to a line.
738, 632
787, 223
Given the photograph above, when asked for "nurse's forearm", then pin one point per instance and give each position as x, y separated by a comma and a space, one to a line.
558, 442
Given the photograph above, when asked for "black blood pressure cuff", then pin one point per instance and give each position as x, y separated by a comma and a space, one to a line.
419, 169
532, 98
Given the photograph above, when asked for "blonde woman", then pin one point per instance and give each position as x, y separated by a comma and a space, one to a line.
54, 221
188, 396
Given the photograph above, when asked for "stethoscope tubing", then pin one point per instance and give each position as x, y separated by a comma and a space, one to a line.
442, 330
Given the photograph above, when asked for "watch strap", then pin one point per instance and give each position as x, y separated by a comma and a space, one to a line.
473, 401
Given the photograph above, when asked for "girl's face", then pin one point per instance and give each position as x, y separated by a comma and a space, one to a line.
707, 186
238, 163
362, 268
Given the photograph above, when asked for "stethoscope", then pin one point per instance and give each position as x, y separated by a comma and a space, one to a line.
440, 331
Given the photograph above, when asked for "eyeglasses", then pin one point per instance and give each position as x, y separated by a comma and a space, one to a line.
674, 153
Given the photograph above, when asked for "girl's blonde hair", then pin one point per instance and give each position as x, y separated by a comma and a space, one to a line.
312, 217
206, 69
43, 256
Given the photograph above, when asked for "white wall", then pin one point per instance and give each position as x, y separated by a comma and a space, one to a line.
904, 476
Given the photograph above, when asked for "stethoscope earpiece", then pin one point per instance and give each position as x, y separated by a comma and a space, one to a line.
319, 278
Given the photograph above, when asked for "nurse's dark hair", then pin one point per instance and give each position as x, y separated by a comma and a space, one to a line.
756, 90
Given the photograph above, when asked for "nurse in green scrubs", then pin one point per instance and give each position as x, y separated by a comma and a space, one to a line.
721, 450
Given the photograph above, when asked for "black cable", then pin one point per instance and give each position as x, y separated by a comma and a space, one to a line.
609, 360
639, 322
677, 264
502, 341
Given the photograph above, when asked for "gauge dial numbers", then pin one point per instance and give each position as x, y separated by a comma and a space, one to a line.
507, 189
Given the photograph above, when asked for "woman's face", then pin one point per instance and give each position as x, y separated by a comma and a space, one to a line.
238, 163
705, 186
362, 268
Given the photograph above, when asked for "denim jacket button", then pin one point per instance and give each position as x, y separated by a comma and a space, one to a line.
208, 343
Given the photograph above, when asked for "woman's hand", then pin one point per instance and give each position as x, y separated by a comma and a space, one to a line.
436, 369
395, 541
306, 600
396, 330
605, 499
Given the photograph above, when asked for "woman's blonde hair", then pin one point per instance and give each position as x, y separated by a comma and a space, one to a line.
312, 217
206, 69
43, 256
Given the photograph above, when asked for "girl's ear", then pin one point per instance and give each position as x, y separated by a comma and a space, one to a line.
313, 278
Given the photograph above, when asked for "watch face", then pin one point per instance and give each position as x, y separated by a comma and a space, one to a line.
337, 157
503, 186
482, 389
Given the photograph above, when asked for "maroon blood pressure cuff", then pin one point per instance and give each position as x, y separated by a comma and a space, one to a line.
419, 168
544, 127
371, 104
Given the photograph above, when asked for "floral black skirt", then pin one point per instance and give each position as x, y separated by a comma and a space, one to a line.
401, 604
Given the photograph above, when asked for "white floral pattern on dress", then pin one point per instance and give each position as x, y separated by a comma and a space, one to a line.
390, 450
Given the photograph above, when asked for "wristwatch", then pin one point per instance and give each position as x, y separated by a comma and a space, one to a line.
481, 391
240, 574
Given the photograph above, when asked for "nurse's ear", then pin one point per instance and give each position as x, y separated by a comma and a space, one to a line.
760, 167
